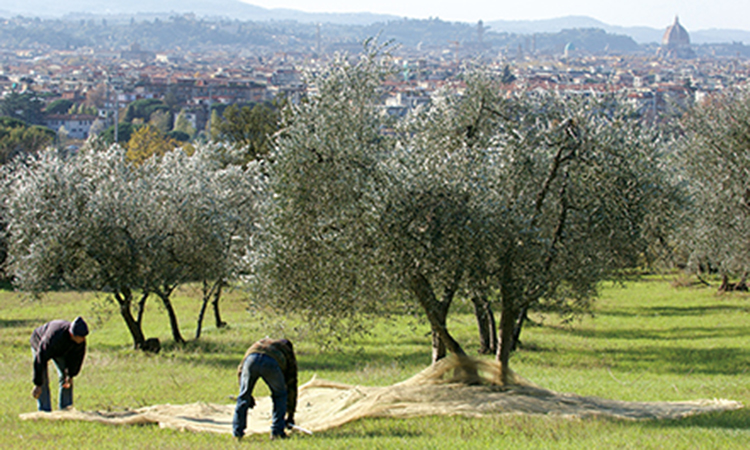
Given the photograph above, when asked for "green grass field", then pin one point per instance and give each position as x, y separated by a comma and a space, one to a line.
646, 341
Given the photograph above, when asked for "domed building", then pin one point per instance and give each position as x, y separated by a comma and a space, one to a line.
676, 42
676, 35
569, 49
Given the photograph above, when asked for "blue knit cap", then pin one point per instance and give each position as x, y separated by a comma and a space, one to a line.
79, 327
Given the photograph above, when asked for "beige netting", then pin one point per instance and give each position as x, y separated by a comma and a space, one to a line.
453, 386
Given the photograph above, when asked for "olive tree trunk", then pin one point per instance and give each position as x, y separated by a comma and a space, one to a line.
215, 304
437, 313
212, 293
507, 324
485, 323
164, 295
124, 298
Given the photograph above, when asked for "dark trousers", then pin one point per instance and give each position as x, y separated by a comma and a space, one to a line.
262, 366
66, 395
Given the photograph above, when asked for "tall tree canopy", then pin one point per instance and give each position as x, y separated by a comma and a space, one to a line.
59, 106
125, 131
26, 107
148, 141
248, 128
144, 108
17, 138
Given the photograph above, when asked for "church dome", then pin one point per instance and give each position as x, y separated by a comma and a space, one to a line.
676, 35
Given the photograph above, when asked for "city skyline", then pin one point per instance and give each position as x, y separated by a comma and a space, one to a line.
693, 14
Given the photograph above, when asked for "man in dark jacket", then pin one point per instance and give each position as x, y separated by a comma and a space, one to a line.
274, 361
64, 343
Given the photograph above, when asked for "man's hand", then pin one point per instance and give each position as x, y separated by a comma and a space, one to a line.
36, 392
290, 422
68, 383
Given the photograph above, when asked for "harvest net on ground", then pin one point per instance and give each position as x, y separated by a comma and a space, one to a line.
453, 386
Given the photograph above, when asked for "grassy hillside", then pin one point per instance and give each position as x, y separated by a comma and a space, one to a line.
647, 341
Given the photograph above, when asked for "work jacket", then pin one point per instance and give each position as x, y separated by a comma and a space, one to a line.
53, 340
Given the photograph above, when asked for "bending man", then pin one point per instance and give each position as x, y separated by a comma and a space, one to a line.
64, 343
274, 361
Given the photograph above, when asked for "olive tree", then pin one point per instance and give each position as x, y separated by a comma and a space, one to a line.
96, 221
321, 249
202, 217
582, 191
715, 155
536, 197
73, 223
360, 216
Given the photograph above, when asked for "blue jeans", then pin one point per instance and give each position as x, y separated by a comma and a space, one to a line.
66, 395
260, 366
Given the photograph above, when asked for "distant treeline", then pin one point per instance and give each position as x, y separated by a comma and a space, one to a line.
189, 33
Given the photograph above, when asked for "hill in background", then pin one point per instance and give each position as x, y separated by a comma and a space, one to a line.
122, 10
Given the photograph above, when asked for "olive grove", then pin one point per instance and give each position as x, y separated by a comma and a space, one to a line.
714, 153
517, 202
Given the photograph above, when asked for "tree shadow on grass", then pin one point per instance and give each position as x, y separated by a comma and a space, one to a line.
670, 360
374, 428
666, 334
674, 311
14, 323
349, 361
203, 346
684, 360
229, 355
208, 353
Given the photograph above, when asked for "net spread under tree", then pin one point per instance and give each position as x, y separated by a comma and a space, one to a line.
435, 391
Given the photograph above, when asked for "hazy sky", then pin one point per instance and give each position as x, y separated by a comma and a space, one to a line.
694, 14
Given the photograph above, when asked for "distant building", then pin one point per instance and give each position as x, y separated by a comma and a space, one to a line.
569, 50
676, 42
135, 53
77, 126
676, 35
